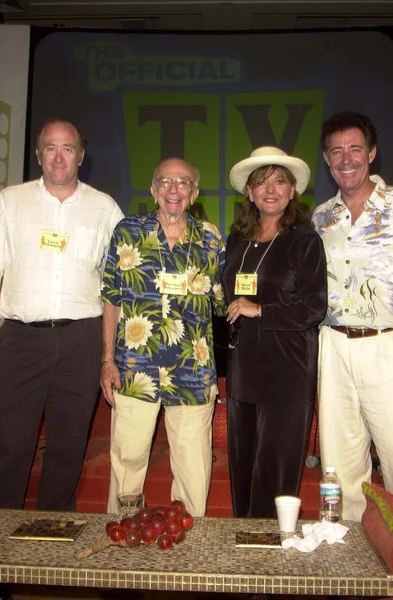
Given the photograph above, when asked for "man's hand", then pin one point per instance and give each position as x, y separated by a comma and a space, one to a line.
242, 306
110, 378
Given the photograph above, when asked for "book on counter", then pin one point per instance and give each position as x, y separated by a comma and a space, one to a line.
257, 539
56, 530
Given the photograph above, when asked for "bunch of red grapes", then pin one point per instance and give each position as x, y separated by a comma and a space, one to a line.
166, 526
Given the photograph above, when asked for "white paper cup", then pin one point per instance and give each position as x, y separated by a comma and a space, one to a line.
128, 504
287, 512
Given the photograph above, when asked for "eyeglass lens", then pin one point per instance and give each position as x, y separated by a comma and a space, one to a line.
167, 182
234, 337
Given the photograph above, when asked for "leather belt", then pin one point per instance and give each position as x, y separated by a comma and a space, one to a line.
50, 323
359, 332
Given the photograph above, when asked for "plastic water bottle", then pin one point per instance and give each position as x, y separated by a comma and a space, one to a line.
330, 497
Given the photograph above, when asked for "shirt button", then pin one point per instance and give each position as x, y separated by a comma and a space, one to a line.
347, 262
346, 310
349, 239
346, 287
347, 217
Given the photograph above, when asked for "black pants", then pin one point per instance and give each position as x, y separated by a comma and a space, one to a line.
54, 372
266, 446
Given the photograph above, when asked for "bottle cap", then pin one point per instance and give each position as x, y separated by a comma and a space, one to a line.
330, 469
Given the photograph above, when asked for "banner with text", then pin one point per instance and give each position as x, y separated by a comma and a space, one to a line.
210, 99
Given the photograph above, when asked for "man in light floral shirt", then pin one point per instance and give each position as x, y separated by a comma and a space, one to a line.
161, 279
356, 338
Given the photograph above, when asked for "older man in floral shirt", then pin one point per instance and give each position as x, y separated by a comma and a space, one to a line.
161, 280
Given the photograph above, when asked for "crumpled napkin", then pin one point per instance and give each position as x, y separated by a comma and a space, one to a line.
314, 534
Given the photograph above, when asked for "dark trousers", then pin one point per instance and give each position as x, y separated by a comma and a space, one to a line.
55, 373
266, 446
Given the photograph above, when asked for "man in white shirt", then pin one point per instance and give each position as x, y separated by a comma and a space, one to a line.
54, 236
356, 339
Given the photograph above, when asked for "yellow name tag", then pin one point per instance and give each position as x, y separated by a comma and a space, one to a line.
53, 241
246, 284
173, 283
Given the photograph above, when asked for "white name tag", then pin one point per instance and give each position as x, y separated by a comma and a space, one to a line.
174, 284
52, 241
246, 284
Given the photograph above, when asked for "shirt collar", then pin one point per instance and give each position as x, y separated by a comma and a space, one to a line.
52, 198
189, 217
377, 198
192, 223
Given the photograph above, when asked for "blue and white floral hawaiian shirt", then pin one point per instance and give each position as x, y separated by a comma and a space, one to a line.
164, 343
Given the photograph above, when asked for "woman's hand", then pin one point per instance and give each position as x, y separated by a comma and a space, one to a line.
242, 306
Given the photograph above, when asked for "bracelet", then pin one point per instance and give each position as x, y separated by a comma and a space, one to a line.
259, 310
107, 360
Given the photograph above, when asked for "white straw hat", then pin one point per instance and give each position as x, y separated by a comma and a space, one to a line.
269, 155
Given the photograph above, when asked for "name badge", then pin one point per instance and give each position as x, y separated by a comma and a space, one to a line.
173, 283
54, 241
246, 284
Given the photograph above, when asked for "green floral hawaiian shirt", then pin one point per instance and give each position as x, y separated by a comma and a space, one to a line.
164, 343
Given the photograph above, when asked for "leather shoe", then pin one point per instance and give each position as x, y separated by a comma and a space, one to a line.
5, 591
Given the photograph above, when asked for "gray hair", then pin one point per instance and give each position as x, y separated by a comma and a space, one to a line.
51, 121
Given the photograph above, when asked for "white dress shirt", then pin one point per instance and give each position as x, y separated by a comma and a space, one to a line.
38, 283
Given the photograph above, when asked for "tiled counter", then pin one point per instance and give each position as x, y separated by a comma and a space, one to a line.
206, 561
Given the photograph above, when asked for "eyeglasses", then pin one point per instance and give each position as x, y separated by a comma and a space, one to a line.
180, 182
234, 337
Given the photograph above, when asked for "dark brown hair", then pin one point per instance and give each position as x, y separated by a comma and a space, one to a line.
247, 224
348, 120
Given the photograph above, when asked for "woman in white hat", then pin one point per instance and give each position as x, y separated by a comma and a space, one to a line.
275, 285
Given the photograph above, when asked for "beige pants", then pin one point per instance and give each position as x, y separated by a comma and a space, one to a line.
356, 405
189, 431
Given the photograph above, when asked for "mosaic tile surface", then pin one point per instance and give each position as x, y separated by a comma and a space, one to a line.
206, 561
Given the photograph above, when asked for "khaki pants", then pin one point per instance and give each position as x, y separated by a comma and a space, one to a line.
189, 431
356, 405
